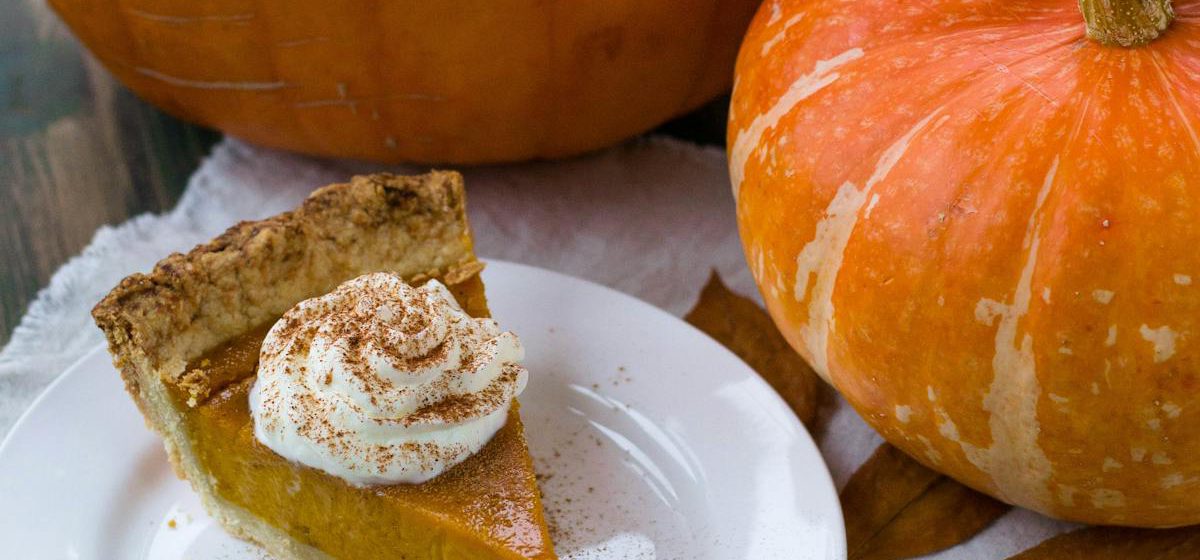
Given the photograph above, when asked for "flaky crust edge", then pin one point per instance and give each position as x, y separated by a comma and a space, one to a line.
256, 270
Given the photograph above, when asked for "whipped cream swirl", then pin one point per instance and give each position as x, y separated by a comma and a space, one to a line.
379, 382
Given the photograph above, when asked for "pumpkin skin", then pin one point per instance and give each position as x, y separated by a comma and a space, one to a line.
423, 81
981, 227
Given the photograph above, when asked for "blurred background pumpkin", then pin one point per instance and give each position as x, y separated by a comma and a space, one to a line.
422, 81
979, 221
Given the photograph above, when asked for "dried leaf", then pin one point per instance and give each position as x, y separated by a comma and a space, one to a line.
894, 506
880, 489
946, 515
745, 328
897, 508
1118, 543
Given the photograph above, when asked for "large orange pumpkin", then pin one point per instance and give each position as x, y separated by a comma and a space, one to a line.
983, 227
419, 80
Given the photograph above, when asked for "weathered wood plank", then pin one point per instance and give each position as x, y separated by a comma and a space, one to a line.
77, 151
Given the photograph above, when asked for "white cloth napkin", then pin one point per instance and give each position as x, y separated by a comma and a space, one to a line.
651, 218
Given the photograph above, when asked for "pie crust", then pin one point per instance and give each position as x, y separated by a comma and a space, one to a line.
159, 324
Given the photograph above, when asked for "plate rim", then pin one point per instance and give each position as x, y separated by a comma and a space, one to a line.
837, 530
66, 372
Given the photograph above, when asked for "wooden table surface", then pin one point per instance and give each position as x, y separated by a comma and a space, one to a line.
78, 151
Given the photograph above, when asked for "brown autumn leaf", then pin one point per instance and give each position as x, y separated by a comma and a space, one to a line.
1118, 543
745, 328
898, 508
894, 506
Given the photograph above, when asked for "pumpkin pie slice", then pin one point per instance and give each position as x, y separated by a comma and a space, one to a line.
186, 339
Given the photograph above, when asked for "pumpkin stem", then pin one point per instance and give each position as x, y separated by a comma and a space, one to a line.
1126, 23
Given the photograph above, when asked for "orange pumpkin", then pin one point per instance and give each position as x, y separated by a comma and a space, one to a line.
428, 81
981, 225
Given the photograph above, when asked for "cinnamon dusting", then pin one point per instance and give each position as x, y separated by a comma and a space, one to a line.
377, 352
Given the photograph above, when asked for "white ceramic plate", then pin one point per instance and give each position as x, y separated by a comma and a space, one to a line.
653, 441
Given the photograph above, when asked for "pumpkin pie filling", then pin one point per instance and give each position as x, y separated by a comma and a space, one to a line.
487, 506
314, 507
